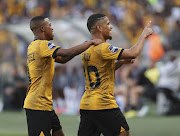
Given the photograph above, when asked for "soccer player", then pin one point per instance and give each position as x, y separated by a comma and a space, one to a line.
99, 112
41, 55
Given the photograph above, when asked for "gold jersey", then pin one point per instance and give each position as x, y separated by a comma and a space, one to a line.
99, 68
40, 64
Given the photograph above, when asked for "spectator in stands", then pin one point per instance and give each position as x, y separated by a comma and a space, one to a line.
174, 37
61, 81
14, 90
137, 85
168, 86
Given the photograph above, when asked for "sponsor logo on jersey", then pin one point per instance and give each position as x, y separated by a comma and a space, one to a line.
51, 45
113, 49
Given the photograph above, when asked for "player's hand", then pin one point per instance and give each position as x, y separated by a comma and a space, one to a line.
148, 30
127, 61
96, 41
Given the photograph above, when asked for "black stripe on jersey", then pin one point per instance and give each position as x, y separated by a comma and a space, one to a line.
120, 54
54, 53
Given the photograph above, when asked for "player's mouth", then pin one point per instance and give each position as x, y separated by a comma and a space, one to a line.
110, 31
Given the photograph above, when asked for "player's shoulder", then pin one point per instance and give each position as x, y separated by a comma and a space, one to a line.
46, 43
99, 47
102, 45
42, 41
39, 42
105, 44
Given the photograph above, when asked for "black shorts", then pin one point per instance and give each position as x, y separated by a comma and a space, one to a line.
109, 122
42, 121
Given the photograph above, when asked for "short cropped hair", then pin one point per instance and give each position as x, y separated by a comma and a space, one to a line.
35, 21
92, 20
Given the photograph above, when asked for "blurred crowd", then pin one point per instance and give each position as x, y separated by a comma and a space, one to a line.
154, 76
129, 15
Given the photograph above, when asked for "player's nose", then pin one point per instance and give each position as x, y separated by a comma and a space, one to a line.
111, 27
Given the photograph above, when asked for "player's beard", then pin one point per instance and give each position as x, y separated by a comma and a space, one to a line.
110, 37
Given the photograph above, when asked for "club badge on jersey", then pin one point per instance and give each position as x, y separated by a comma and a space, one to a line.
113, 49
51, 45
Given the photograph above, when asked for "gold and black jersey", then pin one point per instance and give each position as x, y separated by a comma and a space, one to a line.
40, 64
99, 68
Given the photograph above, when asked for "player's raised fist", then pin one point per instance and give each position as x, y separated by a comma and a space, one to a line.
148, 30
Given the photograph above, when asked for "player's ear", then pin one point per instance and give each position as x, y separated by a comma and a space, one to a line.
42, 28
99, 28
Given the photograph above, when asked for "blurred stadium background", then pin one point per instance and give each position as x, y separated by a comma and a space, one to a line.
157, 73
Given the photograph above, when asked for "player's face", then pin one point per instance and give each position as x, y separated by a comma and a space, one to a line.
48, 29
106, 29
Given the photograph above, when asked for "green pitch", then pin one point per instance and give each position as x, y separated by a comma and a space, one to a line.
14, 124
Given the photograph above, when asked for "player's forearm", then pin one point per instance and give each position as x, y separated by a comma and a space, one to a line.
118, 64
74, 51
63, 60
137, 48
134, 51
121, 62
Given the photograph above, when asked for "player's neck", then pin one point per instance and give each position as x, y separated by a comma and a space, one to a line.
97, 36
40, 37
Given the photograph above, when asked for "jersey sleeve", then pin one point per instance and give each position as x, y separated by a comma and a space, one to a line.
48, 49
111, 52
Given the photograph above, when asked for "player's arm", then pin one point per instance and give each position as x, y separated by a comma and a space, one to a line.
135, 50
63, 60
119, 63
68, 54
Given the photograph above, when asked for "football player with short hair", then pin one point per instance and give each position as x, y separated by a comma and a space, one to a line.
41, 55
98, 108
